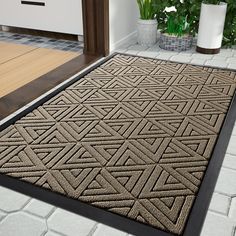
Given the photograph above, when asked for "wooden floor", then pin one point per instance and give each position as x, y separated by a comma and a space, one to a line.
21, 64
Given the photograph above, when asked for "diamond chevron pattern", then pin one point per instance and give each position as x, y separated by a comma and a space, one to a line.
133, 137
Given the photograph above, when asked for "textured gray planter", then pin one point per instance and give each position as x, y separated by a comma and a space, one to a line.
173, 43
147, 32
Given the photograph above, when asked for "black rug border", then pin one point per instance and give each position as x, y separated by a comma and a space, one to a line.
200, 207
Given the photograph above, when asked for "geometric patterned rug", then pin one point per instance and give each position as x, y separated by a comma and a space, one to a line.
134, 137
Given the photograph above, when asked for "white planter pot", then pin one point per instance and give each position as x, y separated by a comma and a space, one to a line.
147, 32
211, 27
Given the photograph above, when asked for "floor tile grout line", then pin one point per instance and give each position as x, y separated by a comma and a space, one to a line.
36, 215
18, 210
57, 232
228, 168
51, 212
218, 212
93, 230
229, 207
4, 217
27, 203
222, 193
234, 231
46, 231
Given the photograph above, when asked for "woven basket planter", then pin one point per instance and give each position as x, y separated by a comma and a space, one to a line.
173, 43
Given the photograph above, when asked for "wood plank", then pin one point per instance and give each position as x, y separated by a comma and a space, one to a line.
9, 51
96, 27
28, 67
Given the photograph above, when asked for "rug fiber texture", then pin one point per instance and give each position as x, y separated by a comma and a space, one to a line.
134, 137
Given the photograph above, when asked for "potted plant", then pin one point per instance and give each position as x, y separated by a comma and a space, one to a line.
147, 24
176, 24
211, 26
229, 38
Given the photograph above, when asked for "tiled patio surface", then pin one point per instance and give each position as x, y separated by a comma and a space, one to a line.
42, 42
21, 215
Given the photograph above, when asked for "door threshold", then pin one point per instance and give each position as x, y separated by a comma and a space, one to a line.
22, 96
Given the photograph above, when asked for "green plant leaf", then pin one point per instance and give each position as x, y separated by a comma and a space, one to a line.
146, 9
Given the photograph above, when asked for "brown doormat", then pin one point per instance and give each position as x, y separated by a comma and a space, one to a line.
134, 136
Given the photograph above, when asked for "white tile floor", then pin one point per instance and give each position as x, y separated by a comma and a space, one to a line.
21, 215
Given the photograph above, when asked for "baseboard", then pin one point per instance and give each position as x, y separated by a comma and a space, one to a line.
5, 28
126, 40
